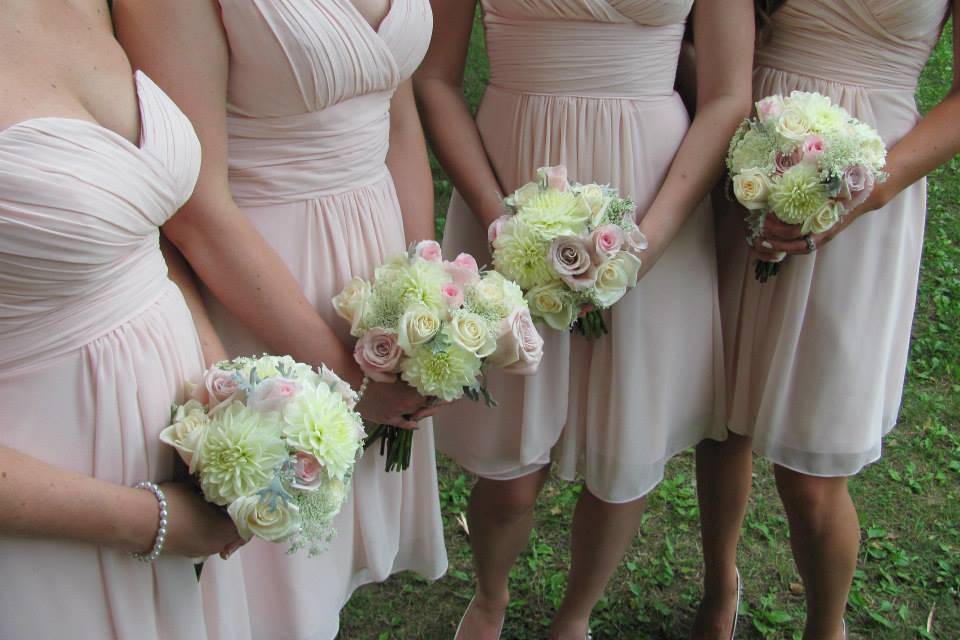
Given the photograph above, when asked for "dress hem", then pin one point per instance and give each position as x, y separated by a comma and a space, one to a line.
774, 454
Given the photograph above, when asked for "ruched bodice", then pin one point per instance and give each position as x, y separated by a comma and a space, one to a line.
882, 44
308, 108
80, 208
599, 49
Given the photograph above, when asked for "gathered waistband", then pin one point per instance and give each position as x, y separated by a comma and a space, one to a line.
583, 59
309, 155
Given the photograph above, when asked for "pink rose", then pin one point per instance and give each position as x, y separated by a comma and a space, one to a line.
463, 269
307, 472
467, 261
429, 250
378, 354
813, 148
783, 161
570, 258
556, 177
495, 228
273, 394
519, 346
855, 188
769, 108
452, 295
222, 387
606, 242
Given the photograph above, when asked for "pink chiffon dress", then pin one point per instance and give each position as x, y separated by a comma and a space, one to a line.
816, 357
95, 345
589, 84
308, 121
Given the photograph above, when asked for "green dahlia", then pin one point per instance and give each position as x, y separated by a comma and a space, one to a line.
242, 450
442, 370
798, 194
520, 254
319, 422
555, 213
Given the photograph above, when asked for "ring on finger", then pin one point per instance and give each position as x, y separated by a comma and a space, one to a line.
811, 245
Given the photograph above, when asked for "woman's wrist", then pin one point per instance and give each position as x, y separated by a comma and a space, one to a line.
160, 537
138, 534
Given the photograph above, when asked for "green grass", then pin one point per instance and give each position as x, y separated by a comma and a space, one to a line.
909, 503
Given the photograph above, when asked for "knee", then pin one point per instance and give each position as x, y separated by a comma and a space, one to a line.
811, 502
504, 501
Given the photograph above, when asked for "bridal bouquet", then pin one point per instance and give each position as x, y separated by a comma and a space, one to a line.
435, 324
804, 160
573, 248
275, 443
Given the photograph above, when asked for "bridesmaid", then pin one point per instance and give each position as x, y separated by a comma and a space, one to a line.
815, 366
95, 341
589, 85
310, 132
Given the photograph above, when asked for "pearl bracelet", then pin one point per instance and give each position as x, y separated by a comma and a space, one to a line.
154, 552
363, 388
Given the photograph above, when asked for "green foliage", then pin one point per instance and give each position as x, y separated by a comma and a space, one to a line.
909, 568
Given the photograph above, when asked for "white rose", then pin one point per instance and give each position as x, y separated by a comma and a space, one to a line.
614, 277
827, 216
522, 195
417, 326
268, 517
472, 332
351, 303
490, 289
520, 346
793, 125
752, 188
552, 303
596, 201
187, 432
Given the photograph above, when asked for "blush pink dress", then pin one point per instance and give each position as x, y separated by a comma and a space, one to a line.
589, 84
816, 356
308, 121
95, 345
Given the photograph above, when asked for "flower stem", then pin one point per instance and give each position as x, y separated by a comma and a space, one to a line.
396, 445
763, 271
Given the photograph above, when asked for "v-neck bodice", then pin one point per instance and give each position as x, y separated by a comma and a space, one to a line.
309, 93
292, 56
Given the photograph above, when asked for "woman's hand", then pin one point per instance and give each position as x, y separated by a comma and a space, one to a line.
196, 528
782, 238
397, 404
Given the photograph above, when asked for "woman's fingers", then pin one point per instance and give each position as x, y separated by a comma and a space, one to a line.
774, 228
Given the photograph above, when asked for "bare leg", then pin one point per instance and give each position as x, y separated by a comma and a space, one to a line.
602, 533
500, 516
724, 474
825, 536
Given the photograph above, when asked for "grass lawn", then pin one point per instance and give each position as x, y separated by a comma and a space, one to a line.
909, 503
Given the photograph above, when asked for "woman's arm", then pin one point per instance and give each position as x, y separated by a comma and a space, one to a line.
409, 166
450, 125
724, 35
38, 500
934, 141
182, 275
182, 46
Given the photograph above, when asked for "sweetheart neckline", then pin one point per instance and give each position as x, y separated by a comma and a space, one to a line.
93, 124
